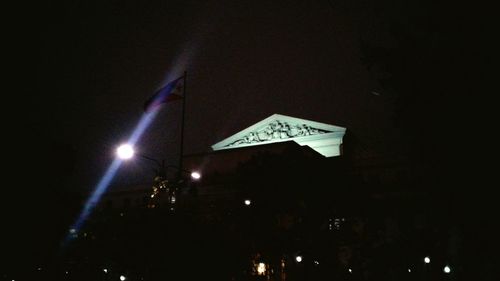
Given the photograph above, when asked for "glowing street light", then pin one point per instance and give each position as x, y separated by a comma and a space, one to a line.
195, 175
298, 258
247, 202
261, 268
446, 269
125, 151
427, 260
123, 278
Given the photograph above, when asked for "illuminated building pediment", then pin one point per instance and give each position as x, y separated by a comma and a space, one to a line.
323, 138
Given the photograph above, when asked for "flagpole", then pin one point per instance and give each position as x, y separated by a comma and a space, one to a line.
181, 153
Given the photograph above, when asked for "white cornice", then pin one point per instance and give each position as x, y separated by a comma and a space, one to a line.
324, 138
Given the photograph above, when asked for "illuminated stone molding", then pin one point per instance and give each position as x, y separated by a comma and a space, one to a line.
324, 138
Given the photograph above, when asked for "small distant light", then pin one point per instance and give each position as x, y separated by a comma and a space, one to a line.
122, 278
446, 269
72, 230
121, 214
350, 270
195, 175
316, 262
427, 260
105, 270
336, 223
152, 195
261, 268
39, 268
298, 258
66, 272
409, 269
248, 202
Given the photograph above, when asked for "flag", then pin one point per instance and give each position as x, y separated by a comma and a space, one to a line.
170, 92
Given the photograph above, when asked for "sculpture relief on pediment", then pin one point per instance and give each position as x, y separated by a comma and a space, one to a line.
278, 130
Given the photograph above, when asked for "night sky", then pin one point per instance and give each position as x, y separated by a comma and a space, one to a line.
388, 72
403, 78
98, 63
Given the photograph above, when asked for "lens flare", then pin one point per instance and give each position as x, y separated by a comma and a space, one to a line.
125, 151
108, 176
182, 62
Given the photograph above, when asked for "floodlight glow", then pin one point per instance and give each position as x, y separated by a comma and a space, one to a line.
298, 258
446, 269
248, 202
104, 182
96, 195
125, 151
143, 124
427, 260
195, 175
122, 278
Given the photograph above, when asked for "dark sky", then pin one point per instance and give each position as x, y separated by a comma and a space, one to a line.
96, 62
83, 70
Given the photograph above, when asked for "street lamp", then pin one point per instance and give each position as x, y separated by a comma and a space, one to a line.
195, 175
427, 259
126, 152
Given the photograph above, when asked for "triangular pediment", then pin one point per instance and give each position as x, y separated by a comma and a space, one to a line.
279, 128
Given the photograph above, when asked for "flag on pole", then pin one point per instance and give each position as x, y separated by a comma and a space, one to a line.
170, 92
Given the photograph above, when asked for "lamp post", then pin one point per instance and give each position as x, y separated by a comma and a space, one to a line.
126, 152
